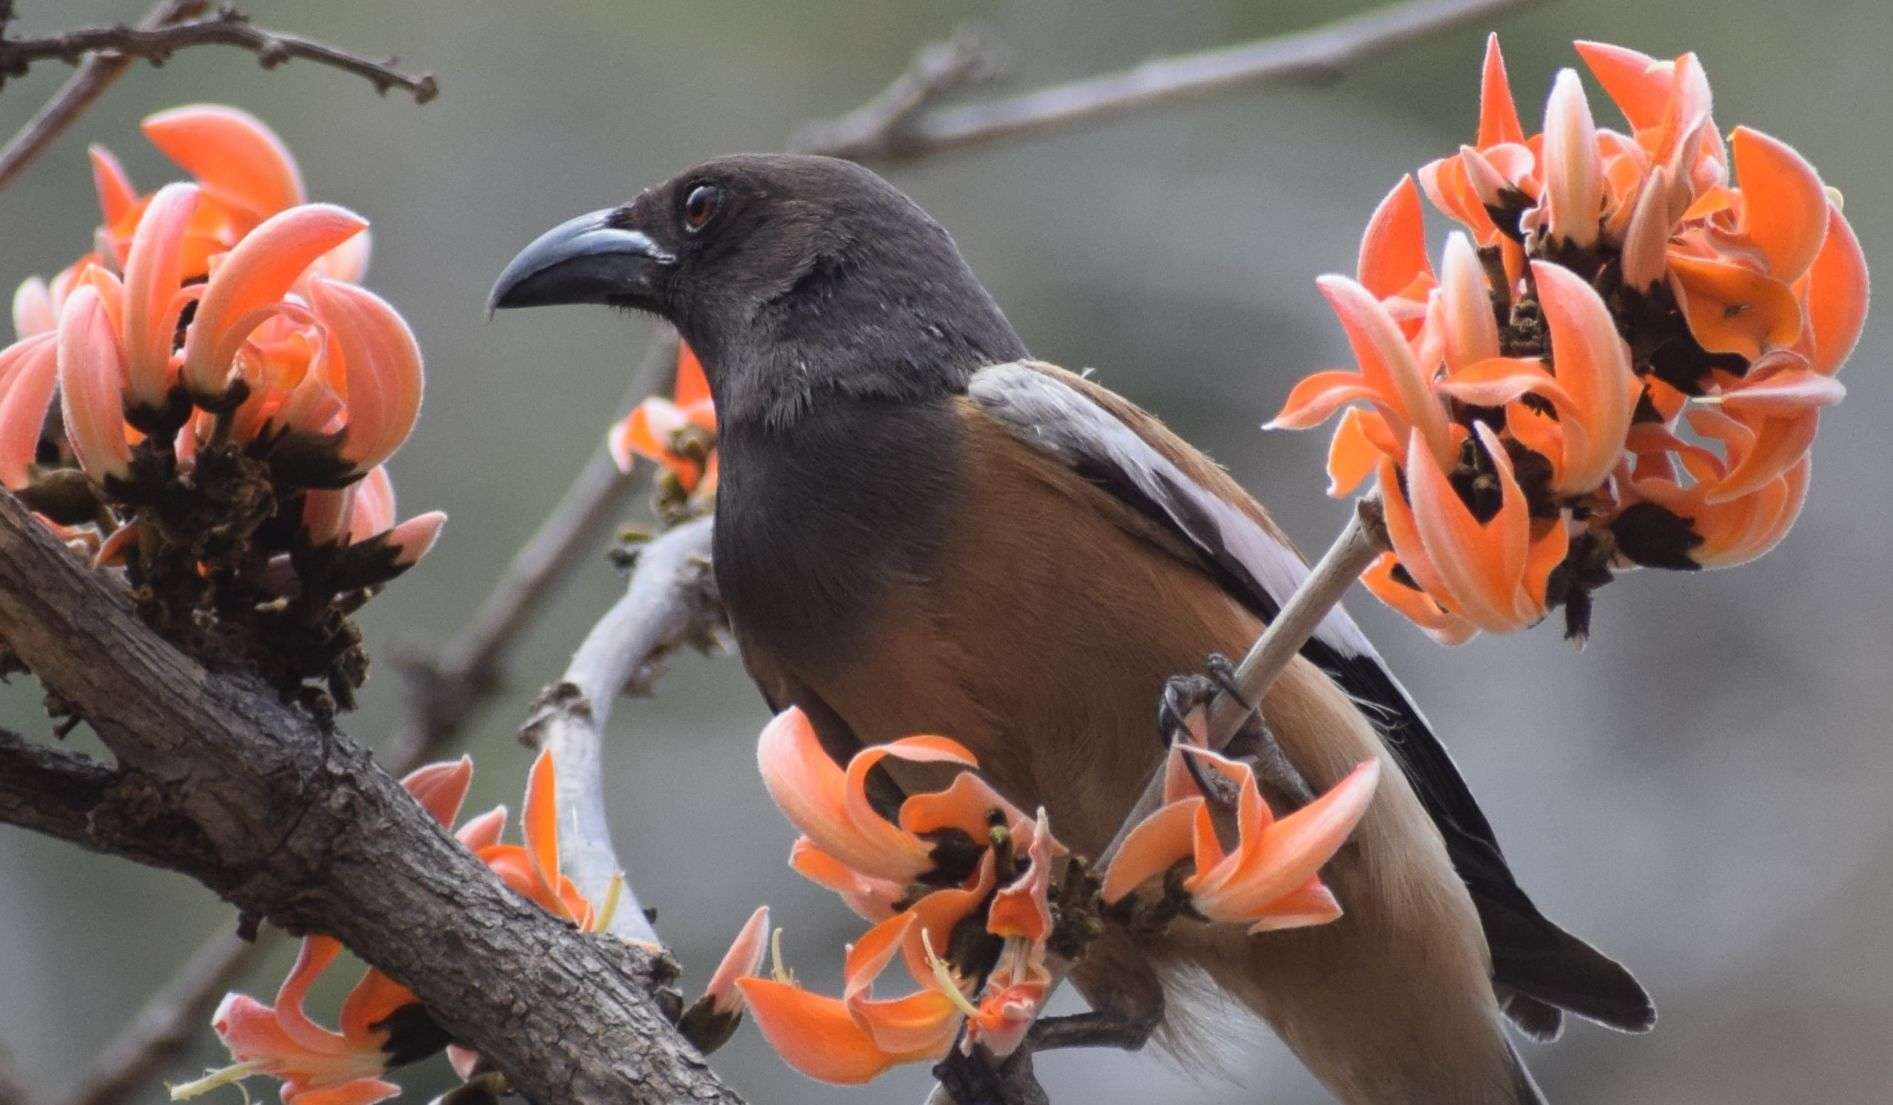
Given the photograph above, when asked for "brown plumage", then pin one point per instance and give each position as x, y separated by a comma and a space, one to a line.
919, 530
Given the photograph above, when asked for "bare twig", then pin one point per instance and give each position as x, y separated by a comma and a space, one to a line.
96, 74
226, 27
1305, 57
670, 601
939, 69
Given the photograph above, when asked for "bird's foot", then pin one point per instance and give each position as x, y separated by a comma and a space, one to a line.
1096, 1028
1182, 717
980, 1078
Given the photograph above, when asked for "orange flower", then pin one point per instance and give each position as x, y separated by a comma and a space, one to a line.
830, 806
662, 429
532, 869
742, 961
382, 1022
1270, 881
1609, 287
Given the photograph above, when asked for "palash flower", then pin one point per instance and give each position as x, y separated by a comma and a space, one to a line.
382, 1024
1270, 879
678, 433
1621, 362
927, 877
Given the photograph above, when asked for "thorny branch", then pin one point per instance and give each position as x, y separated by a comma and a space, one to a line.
1307, 57
95, 74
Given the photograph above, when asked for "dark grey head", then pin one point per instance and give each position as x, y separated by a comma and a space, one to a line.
791, 276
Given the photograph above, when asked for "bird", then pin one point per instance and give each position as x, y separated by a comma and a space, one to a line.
921, 529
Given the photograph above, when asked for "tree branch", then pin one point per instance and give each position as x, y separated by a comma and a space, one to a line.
218, 779
670, 601
49, 790
1304, 57
104, 53
96, 74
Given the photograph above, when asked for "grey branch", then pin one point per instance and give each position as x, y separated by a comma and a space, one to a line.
1304, 57
216, 778
96, 74
669, 602
102, 54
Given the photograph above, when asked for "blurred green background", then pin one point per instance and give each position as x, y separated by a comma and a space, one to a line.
1703, 791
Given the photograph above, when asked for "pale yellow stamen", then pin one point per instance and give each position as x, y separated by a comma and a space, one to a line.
943, 974
614, 893
776, 970
230, 1075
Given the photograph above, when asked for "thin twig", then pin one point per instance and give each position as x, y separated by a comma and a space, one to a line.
938, 70
669, 601
226, 27
1305, 57
96, 74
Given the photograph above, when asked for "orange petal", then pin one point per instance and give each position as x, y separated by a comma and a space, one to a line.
539, 821
252, 280
743, 960
692, 387
312, 958
29, 369
1500, 380
967, 804
1312, 904
1317, 396
1399, 382
1498, 112
373, 1000
1636, 82
1784, 205
91, 387
232, 153
870, 898
118, 197
1393, 250
1784, 498
813, 793
415, 538
1416, 605
33, 309
1480, 564
1293, 850
1360, 440
1734, 309
939, 912
1545, 553
1404, 533
1152, 848
1574, 178
1835, 295
812, 1033
1592, 363
373, 509
1779, 443
154, 271
483, 832
441, 787
1644, 261
1787, 392
383, 366
1469, 328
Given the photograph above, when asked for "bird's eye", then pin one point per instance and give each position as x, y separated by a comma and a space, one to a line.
700, 206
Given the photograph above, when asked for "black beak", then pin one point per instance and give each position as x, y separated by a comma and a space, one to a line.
583, 260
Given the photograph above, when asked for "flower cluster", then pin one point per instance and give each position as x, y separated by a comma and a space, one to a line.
679, 433
978, 901
228, 394
1621, 360
383, 1025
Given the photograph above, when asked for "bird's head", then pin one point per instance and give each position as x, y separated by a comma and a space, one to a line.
773, 264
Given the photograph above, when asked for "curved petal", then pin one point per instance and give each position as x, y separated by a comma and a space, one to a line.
1318, 395
373, 510
1592, 363
154, 271
252, 279
1500, 380
232, 153
742, 960
1386, 361
1574, 178
91, 387
692, 387
382, 362
1404, 533
1393, 249
118, 196
1155, 845
1480, 564
1289, 852
815, 1034
29, 369
871, 899
1470, 328
539, 822
1636, 82
373, 1000
1416, 605
1835, 293
1360, 440
483, 832
441, 787
1784, 208
33, 311
1312, 904
1780, 442
414, 538
1647, 236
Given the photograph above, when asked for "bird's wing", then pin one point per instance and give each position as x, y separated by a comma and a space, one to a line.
1538, 968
